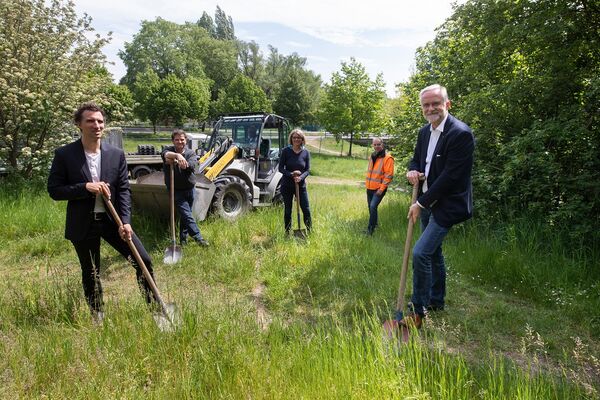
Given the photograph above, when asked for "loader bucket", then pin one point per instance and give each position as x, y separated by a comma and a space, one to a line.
149, 193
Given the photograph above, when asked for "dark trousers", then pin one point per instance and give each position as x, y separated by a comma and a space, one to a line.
184, 200
288, 194
373, 200
88, 252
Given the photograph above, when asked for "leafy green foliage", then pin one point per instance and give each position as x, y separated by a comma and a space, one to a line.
242, 95
207, 23
524, 75
120, 108
45, 61
353, 103
293, 99
157, 46
185, 50
224, 29
171, 99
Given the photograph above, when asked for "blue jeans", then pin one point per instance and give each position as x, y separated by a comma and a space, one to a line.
184, 199
373, 200
429, 270
288, 194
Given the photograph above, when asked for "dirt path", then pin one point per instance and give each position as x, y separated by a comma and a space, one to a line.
322, 180
314, 142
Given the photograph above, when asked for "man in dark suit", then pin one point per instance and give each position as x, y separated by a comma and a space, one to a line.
444, 154
81, 172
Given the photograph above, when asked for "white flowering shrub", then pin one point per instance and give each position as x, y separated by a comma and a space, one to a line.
46, 56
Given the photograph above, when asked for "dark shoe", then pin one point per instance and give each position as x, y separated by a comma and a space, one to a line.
183, 242
435, 307
368, 232
202, 242
412, 321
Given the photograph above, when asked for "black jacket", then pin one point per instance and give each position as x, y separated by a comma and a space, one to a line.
450, 193
69, 174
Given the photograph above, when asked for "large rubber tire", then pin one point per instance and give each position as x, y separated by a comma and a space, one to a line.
140, 170
232, 197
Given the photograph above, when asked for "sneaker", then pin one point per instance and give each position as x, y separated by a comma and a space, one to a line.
412, 321
202, 242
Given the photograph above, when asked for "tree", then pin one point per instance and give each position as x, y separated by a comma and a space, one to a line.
180, 99
45, 58
224, 25
185, 50
172, 99
206, 22
159, 45
251, 60
293, 89
120, 103
145, 91
116, 100
242, 95
292, 100
531, 109
353, 102
219, 59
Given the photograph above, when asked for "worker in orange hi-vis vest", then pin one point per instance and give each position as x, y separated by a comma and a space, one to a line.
379, 176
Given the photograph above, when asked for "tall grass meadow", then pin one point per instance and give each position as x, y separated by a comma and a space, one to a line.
504, 334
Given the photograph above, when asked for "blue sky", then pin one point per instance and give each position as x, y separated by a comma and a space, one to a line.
381, 34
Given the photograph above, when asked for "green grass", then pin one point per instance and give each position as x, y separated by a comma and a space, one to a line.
503, 335
328, 145
344, 168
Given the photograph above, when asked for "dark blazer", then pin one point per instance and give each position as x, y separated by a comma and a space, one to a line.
450, 193
69, 174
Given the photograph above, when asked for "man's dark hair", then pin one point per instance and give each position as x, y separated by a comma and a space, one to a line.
178, 132
89, 106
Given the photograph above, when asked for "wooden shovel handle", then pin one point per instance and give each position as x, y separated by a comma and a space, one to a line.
298, 203
137, 257
172, 203
407, 249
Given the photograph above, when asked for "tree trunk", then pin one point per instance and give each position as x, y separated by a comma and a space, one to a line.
350, 151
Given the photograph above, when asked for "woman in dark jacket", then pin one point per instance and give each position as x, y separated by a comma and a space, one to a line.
294, 164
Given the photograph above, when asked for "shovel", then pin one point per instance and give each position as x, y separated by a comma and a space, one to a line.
390, 327
166, 321
299, 233
173, 252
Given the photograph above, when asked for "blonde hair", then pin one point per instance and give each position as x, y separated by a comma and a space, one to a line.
297, 131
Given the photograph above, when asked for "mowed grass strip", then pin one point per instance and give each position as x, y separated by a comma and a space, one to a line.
325, 297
